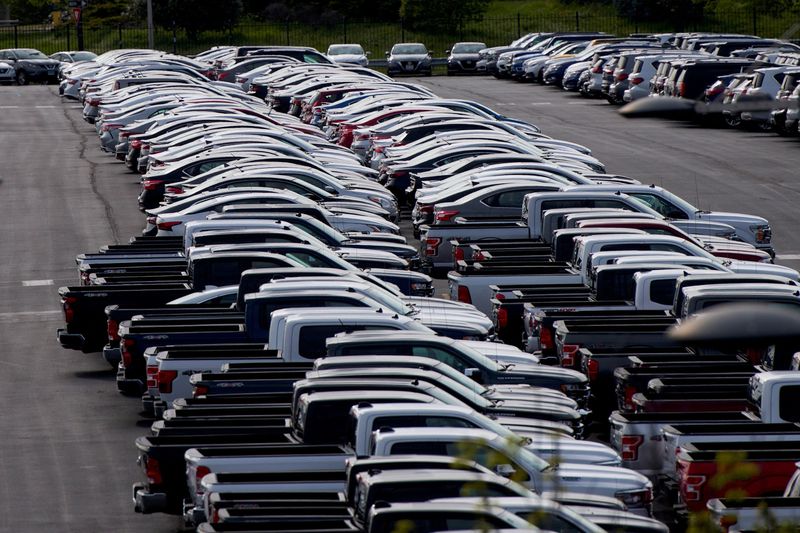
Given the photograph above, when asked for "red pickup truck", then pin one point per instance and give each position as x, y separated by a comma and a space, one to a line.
709, 470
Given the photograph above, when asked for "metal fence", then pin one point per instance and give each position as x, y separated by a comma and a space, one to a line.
378, 37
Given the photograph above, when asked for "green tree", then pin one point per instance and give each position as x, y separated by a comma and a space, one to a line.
31, 11
193, 16
441, 14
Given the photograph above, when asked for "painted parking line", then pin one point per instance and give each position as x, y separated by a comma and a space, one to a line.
788, 257
36, 282
44, 106
541, 103
24, 315
9, 107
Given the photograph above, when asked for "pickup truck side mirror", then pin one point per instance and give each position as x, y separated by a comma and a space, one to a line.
368, 53
447, 51
386, 54
505, 470
472, 372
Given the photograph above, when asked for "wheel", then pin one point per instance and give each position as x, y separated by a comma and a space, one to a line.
732, 121
22, 78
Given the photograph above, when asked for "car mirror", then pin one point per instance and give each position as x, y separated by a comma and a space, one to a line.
472, 372
386, 54
368, 53
329, 189
505, 470
447, 51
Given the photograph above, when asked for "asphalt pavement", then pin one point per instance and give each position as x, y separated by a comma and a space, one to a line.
67, 455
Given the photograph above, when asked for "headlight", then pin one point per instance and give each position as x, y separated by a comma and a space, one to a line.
762, 232
636, 498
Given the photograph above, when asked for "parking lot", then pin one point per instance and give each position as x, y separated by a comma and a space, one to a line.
67, 452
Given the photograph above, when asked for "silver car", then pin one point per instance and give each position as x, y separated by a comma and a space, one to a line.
498, 201
349, 54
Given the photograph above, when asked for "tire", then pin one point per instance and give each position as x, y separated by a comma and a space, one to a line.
22, 78
732, 122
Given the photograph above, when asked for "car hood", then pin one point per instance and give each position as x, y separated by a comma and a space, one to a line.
42, 62
596, 479
349, 58
573, 452
464, 57
407, 57
734, 219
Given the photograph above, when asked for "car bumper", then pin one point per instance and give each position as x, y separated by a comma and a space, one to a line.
71, 341
112, 356
128, 386
147, 404
146, 502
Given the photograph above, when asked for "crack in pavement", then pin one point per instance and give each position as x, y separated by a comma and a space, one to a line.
93, 177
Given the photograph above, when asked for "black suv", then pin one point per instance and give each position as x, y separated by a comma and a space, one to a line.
31, 65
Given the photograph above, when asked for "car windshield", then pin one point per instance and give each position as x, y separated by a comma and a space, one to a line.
409, 49
342, 49
83, 56
30, 54
468, 48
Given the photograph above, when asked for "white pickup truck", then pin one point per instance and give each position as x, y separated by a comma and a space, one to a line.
474, 287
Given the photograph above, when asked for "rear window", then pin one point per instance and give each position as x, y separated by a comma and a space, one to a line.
788, 400
662, 291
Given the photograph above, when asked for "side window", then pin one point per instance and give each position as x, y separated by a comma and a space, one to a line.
662, 291
788, 399
549, 522
312, 339
668, 248
419, 448
440, 355
420, 421
310, 260
663, 207
225, 299
487, 457
383, 350
506, 199
469, 522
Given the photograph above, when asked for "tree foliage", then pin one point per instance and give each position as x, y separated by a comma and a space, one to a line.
193, 16
441, 14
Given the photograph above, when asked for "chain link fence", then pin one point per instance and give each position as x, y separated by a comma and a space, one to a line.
378, 37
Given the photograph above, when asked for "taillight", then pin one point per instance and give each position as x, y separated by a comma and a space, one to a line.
165, 379
479, 256
445, 215
151, 185
108, 127
754, 355
592, 369
636, 80
69, 312
432, 245
136, 144
630, 390
568, 352
693, 488
112, 327
422, 208
199, 390
464, 295
596, 70
502, 318
630, 447
153, 471
173, 189
546, 338
167, 226
199, 474
622, 76
458, 253
151, 374
125, 348
682, 89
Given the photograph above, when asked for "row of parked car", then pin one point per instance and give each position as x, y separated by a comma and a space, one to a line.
721, 70
278, 328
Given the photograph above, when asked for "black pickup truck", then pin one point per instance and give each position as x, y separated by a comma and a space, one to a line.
572, 335
320, 422
84, 306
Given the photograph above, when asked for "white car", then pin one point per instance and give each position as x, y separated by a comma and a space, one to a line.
351, 54
6, 73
